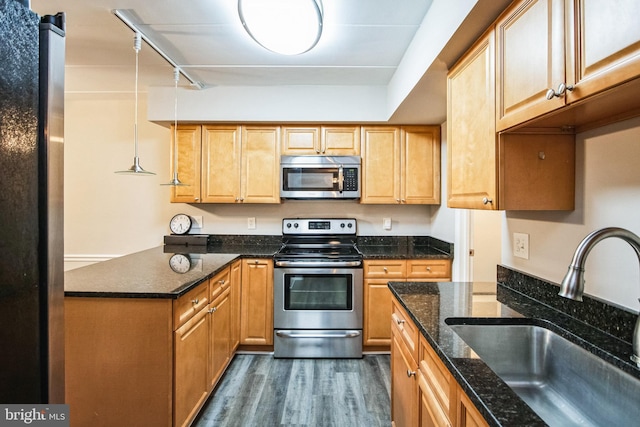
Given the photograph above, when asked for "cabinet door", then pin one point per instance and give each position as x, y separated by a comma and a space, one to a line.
300, 140
606, 50
340, 140
188, 152
221, 164
220, 340
420, 165
471, 132
256, 323
260, 182
468, 414
380, 165
377, 312
191, 349
235, 287
530, 60
404, 390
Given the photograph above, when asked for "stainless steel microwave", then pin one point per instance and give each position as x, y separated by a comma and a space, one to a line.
320, 177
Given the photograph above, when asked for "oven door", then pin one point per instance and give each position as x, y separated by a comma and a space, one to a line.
318, 298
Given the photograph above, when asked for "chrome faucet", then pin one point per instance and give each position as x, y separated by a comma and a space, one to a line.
572, 285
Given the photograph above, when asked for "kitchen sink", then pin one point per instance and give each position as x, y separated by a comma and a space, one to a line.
562, 382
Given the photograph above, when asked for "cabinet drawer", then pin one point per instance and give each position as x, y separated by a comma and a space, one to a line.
403, 327
185, 307
437, 378
219, 283
429, 269
387, 268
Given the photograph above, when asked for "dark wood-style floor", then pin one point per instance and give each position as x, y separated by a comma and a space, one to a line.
258, 390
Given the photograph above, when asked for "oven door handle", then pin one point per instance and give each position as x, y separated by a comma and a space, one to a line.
341, 334
318, 264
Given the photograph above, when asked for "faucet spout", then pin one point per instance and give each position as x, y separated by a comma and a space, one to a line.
572, 285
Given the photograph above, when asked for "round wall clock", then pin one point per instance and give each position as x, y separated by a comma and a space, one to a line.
180, 263
180, 224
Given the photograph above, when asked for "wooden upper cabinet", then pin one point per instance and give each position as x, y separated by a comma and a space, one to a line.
188, 152
221, 164
260, 172
420, 182
400, 165
472, 148
321, 140
589, 46
605, 48
380, 165
530, 60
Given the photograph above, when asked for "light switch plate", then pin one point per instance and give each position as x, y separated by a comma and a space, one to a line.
521, 245
251, 223
386, 223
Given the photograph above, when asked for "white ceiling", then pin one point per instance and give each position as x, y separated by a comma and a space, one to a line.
364, 44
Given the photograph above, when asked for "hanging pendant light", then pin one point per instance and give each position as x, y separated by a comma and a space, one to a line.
175, 181
136, 169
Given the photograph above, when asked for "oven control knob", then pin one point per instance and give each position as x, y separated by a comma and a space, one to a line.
342, 225
350, 225
288, 225
295, 225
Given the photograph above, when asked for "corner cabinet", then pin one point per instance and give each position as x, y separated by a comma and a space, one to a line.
325, 140
400, 165
515, 171
377, 296
228, 164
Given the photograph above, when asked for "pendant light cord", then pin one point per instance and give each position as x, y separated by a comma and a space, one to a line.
137, 44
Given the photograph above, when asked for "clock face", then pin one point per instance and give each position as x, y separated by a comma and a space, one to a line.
180, 263
180, 224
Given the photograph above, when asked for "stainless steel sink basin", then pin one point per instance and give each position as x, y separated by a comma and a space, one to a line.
563, 383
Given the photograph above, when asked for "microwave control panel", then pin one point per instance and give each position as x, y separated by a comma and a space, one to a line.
350, 179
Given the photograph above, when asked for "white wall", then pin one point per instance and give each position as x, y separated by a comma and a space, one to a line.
607, 194
108, 215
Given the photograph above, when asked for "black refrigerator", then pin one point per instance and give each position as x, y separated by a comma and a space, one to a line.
31, 205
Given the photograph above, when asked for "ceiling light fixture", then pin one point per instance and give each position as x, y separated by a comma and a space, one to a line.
136, 169
289, 27
175, 182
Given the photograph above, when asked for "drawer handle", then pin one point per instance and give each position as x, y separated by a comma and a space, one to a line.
222, 282
411, 373
385, 269
212, 310
195, 301
428, 268
400, 321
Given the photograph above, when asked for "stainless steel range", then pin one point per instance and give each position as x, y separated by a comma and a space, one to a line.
318, 290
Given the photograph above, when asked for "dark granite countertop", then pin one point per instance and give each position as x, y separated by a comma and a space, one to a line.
147, 274
429, 304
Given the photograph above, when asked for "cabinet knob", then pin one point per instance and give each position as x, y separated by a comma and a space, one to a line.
486, 201
385, 269
398, 200
411, 373
222, 282
241, 199
562, 89
403, 201
400, 321
196, 198
428, 268
195, 301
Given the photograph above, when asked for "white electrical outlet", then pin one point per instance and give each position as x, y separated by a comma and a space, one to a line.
197, 221
251, 223
521, 245
386, 223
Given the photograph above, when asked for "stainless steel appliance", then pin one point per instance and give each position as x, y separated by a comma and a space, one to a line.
318, 290
31, 205
320, 177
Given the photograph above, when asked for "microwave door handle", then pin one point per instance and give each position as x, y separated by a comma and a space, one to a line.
340, 178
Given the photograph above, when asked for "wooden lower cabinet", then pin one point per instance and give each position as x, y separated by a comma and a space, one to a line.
424, 393
377, 296
149, 361
256, 322
235, 290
